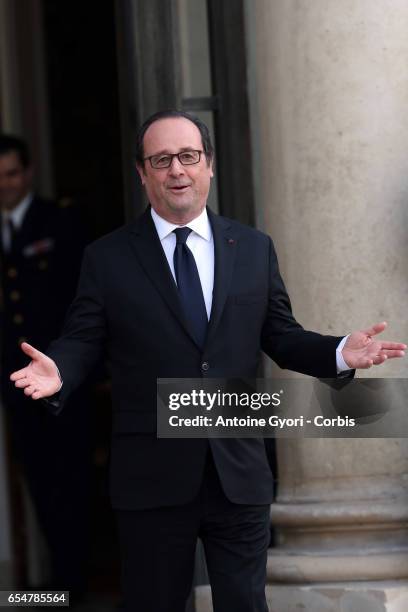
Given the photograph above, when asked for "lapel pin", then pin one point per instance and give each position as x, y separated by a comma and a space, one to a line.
231, 241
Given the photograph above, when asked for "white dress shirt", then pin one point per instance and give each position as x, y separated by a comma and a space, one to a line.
16, 216
201, 244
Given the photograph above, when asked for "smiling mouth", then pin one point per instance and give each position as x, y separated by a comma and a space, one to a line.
179, 188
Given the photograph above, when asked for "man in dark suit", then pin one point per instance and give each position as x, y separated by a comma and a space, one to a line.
41, 248
184, 293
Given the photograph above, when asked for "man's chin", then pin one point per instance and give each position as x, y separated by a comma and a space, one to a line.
180, 204
179, 210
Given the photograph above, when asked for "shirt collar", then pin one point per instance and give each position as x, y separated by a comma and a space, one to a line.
200, 225
18, 213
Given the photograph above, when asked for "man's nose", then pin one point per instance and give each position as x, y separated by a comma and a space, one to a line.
176, 167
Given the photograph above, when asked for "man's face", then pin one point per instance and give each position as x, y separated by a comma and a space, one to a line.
178, 193
15, 180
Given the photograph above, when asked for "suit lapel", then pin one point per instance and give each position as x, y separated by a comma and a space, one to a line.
146, 244
30, 219
225, 245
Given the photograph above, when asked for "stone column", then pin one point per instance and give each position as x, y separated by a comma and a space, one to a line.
23, 111
329, 94
342, 521
7, 65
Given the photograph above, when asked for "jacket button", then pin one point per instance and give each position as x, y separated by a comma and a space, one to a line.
14, 296
12, 272
18, 319
205, 366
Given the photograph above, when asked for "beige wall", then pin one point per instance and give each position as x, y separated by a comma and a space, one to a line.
329, 96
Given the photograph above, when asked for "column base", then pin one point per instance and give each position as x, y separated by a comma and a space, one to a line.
335, 597
339, 597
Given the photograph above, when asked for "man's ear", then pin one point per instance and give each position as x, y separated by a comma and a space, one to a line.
141, 172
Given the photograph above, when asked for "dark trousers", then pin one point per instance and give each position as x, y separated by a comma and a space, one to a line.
158, 549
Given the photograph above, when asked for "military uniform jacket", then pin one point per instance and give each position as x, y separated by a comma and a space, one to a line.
39, 278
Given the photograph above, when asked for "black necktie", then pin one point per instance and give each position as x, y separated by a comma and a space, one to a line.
189, 286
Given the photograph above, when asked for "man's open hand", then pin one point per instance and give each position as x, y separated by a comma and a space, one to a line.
362, 351
40, 378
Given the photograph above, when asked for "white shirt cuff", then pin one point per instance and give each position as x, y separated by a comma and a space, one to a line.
340, 363
59, 375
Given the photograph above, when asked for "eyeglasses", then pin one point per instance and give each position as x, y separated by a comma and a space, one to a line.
186, 158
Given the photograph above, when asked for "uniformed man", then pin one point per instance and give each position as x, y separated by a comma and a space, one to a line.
41, 246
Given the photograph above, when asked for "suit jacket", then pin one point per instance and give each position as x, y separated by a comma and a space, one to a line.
127, 303
38, 279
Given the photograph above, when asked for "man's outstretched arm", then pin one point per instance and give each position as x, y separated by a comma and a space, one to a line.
294, 348
40, 378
